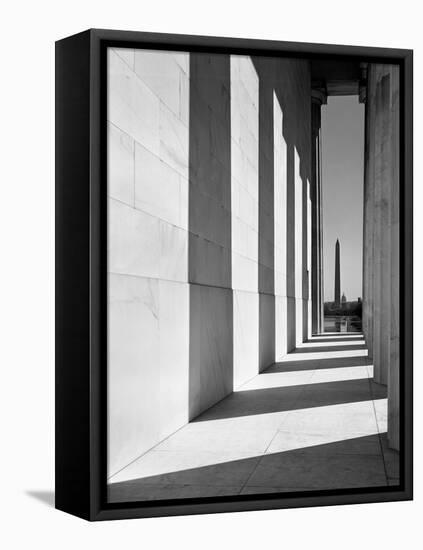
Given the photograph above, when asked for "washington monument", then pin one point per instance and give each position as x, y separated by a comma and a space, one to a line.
337, 277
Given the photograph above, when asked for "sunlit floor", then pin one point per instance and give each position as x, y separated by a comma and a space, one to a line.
313, 421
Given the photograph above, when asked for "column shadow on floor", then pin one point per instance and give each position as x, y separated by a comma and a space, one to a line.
345, 464
315, 364
341, 340
357, 462
328, 349
282, 399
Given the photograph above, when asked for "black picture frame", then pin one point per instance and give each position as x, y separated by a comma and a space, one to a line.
81, 274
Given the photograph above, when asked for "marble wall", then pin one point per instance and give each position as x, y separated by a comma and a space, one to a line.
208, 254
148, 314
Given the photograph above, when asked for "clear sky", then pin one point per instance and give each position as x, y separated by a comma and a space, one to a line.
342, 176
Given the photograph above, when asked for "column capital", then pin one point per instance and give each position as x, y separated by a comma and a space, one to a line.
319, 95
362, 85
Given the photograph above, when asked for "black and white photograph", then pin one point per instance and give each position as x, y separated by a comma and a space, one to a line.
210, 237
253, 274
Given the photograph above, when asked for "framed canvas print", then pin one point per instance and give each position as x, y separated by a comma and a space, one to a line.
234, 274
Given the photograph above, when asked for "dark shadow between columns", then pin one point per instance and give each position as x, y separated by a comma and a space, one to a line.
345, 464
209, 258
266, 277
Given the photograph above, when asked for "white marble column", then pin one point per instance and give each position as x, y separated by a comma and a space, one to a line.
299, 250
244, 178
368, 195
318, 98
381, 235
266, 249
394, 362
385, 236
377, 233
280, 211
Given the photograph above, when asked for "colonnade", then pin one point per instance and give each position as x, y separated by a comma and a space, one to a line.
216, 234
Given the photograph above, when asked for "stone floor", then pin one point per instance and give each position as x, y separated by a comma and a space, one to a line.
314, 421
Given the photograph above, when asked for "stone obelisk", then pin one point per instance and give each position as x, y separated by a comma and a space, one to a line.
337, 276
